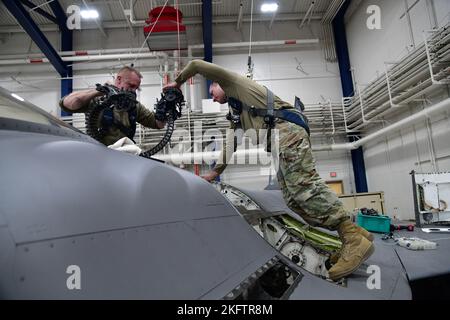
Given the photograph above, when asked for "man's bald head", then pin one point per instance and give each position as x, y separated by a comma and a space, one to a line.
128, 78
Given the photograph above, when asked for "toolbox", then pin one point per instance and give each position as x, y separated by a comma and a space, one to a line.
380, 224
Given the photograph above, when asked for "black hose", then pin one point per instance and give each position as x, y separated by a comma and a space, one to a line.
165, 139
172, 97
93, 119
173, 102
98, 123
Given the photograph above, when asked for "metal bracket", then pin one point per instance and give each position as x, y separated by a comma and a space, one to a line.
346, 101
362, 107
430, 64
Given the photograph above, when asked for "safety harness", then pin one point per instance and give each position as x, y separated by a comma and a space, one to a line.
100, 119
270, 114
109, 121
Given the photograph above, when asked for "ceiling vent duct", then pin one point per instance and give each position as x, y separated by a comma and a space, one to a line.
166, 32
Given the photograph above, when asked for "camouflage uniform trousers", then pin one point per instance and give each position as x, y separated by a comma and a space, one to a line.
303, 190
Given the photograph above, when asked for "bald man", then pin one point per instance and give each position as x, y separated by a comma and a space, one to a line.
124, 124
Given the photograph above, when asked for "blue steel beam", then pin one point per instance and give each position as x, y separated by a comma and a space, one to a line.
207, 35
24, 19
207, 43
60, 16
359, 168
42, 12
207, 29
66, 45
66, 84
340, 40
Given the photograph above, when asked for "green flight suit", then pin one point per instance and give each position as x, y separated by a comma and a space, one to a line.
143, 116
303, 189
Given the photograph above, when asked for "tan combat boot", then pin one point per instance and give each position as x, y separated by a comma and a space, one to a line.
356, 249
366, 234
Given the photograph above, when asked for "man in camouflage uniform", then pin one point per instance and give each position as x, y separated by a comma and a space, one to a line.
303, 189
127, 78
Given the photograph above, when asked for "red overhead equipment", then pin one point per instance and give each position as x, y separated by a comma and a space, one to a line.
166, 33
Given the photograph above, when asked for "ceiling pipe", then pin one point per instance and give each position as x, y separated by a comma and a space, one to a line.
90, 55
330, 14
17, 10
126, 18
42, 12
140, 23
259, 43
79, 53
412, 70
409, 8
307, 15
239, 20
272, 20
310, 15
132, 20
383, 109
411, 120
197, 3
334, 147
189, 157
381, 101
432, 13
83, 58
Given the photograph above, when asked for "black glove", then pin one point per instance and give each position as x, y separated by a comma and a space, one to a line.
107, 89
123, 100
171, 102
118, 98
160, 110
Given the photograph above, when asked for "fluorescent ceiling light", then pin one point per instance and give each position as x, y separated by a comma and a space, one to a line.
89, 14
17, 97
269, 7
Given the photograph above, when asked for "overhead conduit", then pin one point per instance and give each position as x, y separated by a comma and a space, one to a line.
412, 70
327, 29
403, 82
406, 122
411, 120
130, 53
